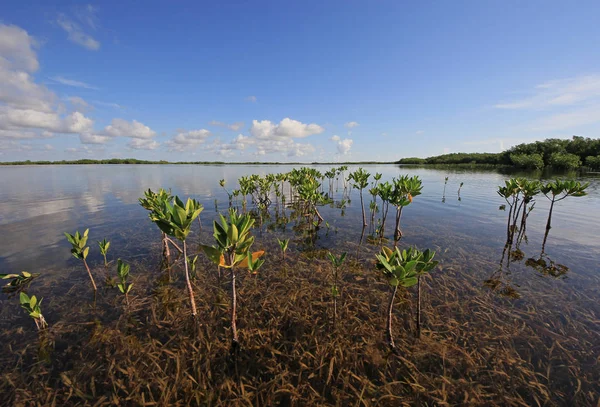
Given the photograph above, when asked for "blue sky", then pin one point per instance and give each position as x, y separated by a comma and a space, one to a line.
293, 81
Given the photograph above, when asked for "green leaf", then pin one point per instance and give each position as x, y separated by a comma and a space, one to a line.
85, 252
394, 282
409, 282
213, 254
24, 298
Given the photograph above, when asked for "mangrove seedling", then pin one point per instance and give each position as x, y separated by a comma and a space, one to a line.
405, 189
153, 201
360, 180
175, 219
402, 268
18, 283
459, 188
123, 273
336, 262
104, 246
283, 244
33, 308
232, 250
229, 195
557, 191
80, 251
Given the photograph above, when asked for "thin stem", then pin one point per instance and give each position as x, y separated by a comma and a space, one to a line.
187, 281
419, 307
363, 208
90, 274
233, 310
390, 336
168, 239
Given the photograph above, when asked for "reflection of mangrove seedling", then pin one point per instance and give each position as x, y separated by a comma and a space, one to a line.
80, 251
503, 288
233, 249
123, 274
336, 262
405, 188
33, 308
18, 283
548, 268
557, 191
444, 193
104, 246
360, 180
175, 219
403, 268
283, 244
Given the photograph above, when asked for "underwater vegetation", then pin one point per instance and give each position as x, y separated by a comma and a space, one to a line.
242, 314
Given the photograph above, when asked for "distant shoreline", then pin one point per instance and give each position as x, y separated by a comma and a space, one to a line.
132, 161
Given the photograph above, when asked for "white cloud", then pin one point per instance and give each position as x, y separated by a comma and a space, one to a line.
252, 99
143, 144
233, 126
351, 125
79, 104
72, 82
420, 132
13, 119
89, 138
134, 129
76, 33
286, 129
559, 93
17, 49
343, 146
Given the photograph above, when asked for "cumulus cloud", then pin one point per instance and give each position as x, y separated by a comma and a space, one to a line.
185, 140
351, 125
76, 33
90, 138
134, 129
233, 126
17, 49
12, 119
252, 99
31, 111
343, 145
286, 129
143, 144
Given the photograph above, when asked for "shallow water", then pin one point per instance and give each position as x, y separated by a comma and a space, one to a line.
39, 203
468, 232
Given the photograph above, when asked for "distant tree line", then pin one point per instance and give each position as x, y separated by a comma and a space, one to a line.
556, 153
136, 161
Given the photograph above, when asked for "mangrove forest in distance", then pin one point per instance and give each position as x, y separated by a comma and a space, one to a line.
561, 154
